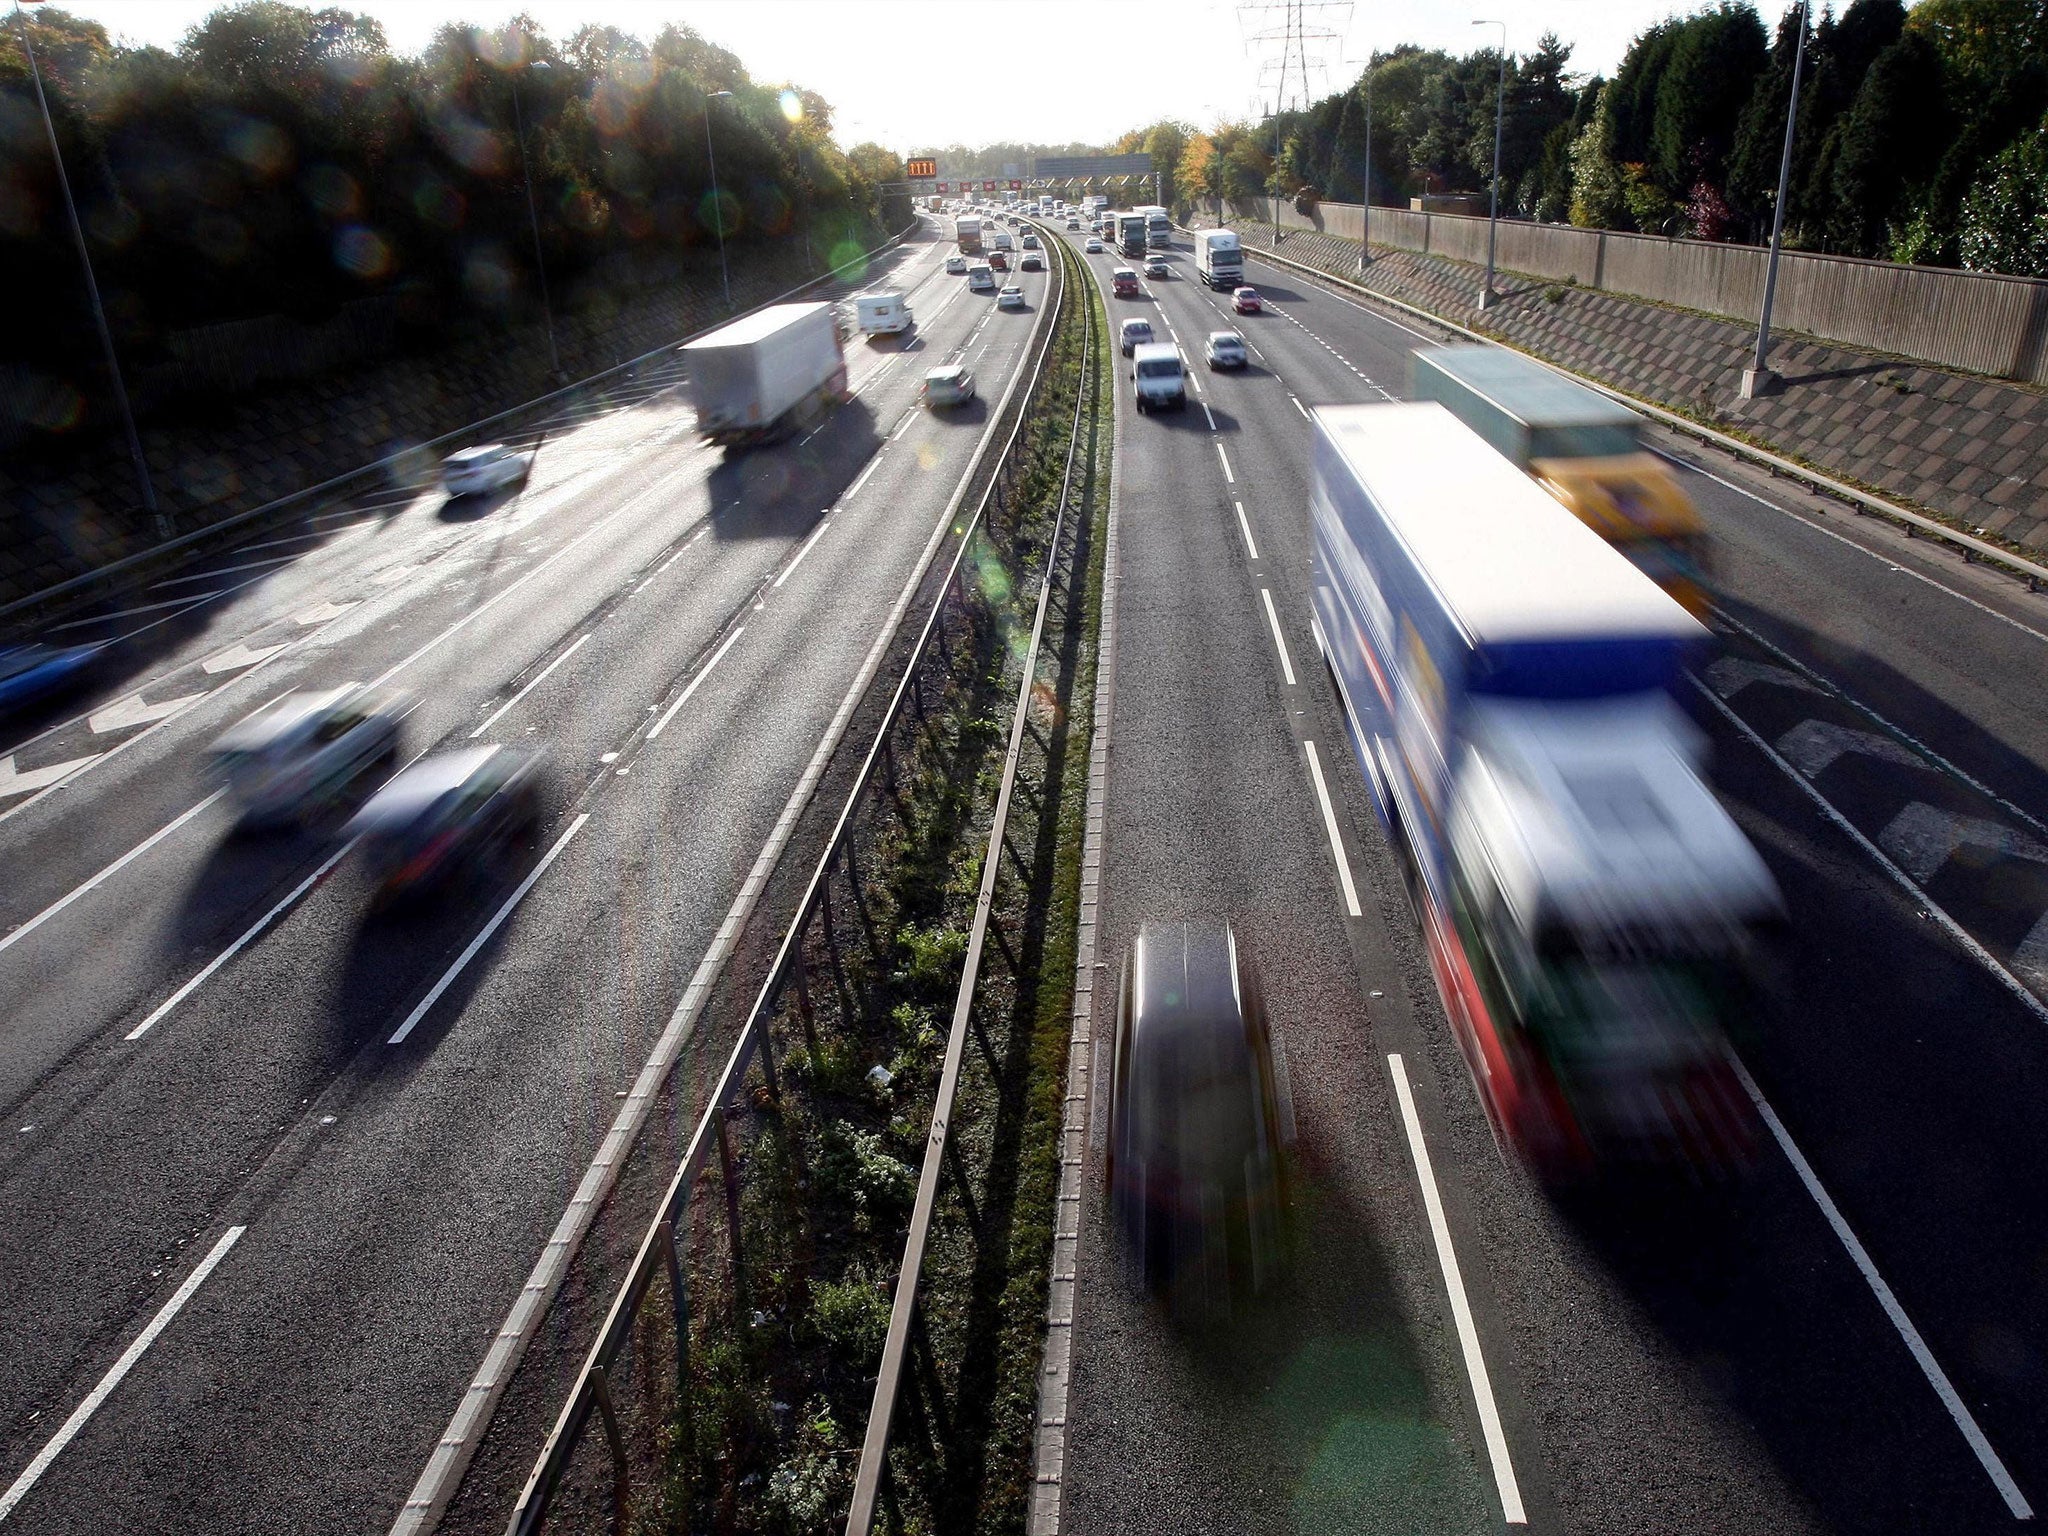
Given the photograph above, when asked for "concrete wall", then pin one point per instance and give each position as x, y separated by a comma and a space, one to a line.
1979, 321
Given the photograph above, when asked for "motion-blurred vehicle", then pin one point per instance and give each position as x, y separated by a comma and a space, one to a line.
758, 378
882, 314
1031, 262
1201, 1120
1133, 334
1592, 913
1158, 377
1156, 266
1073, 223
950, 385
1123, 283
31, 673
1012, 297
485, 468
446, 816
1092, 245
998, 261
1224, 349
306, 751
956, 266
981, 278
1581, 446
1246, 301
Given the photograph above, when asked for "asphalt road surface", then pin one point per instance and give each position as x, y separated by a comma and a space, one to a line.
276, 1170
1850, 1339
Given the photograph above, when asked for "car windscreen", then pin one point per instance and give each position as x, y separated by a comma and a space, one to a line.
1159, 368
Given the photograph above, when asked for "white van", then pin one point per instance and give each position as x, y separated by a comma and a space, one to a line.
882, 314
1157, 376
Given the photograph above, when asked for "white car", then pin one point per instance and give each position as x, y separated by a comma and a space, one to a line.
1225, 349
950, 385
302, 752
981, 278
480, 470
1012, 297
1093, 247
1133, 334
956, 266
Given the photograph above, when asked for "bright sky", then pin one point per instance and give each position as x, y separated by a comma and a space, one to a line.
912, 73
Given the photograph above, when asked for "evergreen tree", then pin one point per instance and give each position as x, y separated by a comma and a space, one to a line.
1716, 57
1890, 144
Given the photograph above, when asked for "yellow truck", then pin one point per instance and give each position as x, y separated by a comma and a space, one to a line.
1582, 447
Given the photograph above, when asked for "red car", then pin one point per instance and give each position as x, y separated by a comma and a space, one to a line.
998, 261
1124, 283
1245, 301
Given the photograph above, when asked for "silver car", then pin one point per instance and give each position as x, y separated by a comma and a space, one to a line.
480, 470
1225, 349
303, 753
951, 385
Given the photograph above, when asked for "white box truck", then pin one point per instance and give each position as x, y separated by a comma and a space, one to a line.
756, 379
1219, 259
882, 314
1158, 227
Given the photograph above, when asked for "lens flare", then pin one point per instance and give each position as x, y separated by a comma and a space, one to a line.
792, 106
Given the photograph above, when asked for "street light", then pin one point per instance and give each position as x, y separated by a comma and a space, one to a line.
1487, 297
533, 218
1757, 379
92, 287
717, 207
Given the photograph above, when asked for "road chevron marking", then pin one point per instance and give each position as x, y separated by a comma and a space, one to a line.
1812, 746
1924, 837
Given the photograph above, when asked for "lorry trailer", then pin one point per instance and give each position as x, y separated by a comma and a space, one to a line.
755, 379
967, 230
1131, 234
1219, 258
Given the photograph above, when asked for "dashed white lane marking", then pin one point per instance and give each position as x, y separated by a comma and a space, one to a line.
854, 489
116, 1372
111, 870
1227, 475
1504, 1480
540, 677
1210, 414
1245, 527
1937, 1378
696, 682
1279, 640
425, 1004
790, 569
1291, 400
1315, 772
249, 936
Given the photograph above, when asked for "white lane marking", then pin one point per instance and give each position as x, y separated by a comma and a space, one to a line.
238, 656
321, 615
1227, 475
1210, 414
190, 599
116, 1372
790, 569
1291, 400
223, 570
1245, 527
1842, 538
112, 869
1279, 641
695, 683
672, 559
127, 713
854, 489
1461, 1308
909, 416
28, 780
425, 1004
249, 936
1937, 1378
1921, 900
1315, 772
499, 713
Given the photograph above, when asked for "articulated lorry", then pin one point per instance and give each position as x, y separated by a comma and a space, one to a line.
1130, 234
1581, 446
1592, 913
760, 377
967, 230
1219, 258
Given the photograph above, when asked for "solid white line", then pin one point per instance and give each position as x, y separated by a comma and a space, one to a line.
120, 1368
1315, 771
187, 600
1298, 406
1245, 527
1227, 475
497, 714
1210, 414
854, 489
696, 682
2015, 1501
1921, 899
1279, 641
249, 936
790, 569
1461, 1308
448, 976
226, 570
112, 869
909, 416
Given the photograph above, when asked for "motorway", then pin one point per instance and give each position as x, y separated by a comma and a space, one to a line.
276, 1171
1851, 1338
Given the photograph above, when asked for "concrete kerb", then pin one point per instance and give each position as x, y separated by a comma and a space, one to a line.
1972, 548
173, 550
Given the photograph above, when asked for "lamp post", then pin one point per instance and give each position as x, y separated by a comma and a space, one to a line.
99, 314
1757, 378
547, 309
1487, 297
717, 207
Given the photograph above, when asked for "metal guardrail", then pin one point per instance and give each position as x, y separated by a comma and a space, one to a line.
199, 537
659, 1252
1971, 547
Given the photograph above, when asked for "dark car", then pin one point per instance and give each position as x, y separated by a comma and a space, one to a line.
1201, 1121
999, 261
29, 674
446, 816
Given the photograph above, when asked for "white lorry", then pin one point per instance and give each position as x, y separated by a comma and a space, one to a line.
1219, 258
882, 314
758, 378
1158, 227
